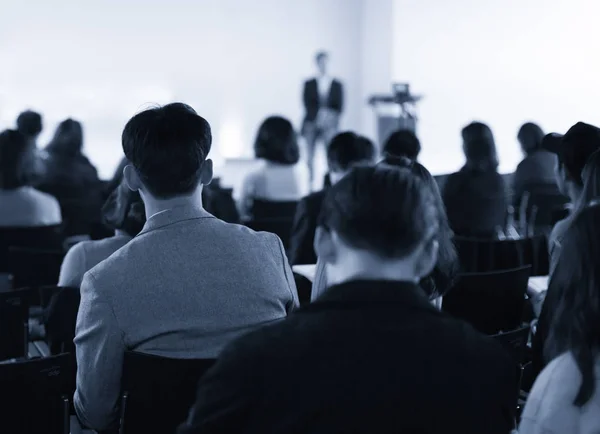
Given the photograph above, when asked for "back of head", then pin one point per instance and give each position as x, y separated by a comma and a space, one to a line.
124, 210
591, 181
575, 323
68, 139
530, 137
576, 147
29, 123
402, 143
276, 141
479, 147
347, 150
14, 160
167, 146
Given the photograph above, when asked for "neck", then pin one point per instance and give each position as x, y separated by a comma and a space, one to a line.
153, 205
370, 268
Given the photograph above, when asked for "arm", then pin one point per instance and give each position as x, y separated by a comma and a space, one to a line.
302, 236
73, 267
99, 349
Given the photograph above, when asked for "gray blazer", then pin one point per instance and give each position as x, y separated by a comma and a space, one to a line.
185, 287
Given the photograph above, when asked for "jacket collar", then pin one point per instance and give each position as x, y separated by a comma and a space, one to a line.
175, 215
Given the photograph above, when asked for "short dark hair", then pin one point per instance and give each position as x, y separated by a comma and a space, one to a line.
68, 138
15, 160
347, 149
479, 147
576, 147
29, 123
385, 210
124, 210
402, 143
167, 146
321, 54
276, 141
531, 137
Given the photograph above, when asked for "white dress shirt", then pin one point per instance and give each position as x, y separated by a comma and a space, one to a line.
28, 207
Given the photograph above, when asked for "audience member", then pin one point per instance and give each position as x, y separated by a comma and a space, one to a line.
573, 151
345, 151
536, 170
188, 284
475, 197
20, 204
124, 213
70, 177
402, 143
566, 396
361, 359
281, 178
29, 123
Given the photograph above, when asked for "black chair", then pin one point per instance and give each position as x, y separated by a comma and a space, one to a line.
60, 318
158, 392
267, 210
219, 202
35, 395
481, 255
280, 227
491, 302
14, 324
44, 237
32, 267
304, 288
537, 206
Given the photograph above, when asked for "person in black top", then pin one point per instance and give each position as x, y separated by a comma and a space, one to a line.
345, 151
372, 355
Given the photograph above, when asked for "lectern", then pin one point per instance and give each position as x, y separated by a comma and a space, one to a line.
395, 111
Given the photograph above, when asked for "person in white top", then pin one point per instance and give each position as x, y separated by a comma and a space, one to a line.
566, 396
281, 178
20, 204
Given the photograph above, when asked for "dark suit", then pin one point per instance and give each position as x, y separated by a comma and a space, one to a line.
301, 250
366, 357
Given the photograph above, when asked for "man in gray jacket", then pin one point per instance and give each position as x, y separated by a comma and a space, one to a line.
188, 284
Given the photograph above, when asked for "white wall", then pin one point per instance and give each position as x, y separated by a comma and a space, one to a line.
503, 62
235, 61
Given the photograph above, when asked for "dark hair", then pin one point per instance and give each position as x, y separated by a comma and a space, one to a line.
320, 55
530, 136
381, 209
276, 141
402, 143
442, 277
124, 210
591, 182
575, 325
479, 147
68, 139
167, 146
576, 147
29, 123
15, 160
347, 149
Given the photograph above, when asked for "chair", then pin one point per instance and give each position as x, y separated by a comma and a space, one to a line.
280, 227
219, 202
60, 318
479, 255
491, 302
304, 288
537, 206
14, 326
158, 392
35, 395
44, 237
33, 267
267, 209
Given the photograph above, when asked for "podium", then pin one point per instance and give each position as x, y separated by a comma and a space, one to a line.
394, 112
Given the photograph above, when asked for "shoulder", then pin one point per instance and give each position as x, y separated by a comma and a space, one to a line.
559, 230
44, 198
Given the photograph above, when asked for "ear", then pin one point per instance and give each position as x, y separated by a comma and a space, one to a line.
132, 179
325, 245
206, 172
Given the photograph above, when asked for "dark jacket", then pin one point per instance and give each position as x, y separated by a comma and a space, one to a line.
312, 100
536, 169
301, 250
476, 202
366, 357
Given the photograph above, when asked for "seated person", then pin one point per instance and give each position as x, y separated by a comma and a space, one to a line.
124, 213
345, 151
372, 355
29, 123
281, 178
20, 204
188, 284
402, 143
566, 396
475, 197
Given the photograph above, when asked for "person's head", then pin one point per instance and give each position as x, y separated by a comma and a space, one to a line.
573, 150
379, 223
29, 123
479, 147
530, 137
591, 182
322, 60
402, 143
124, 210
442, 277
277, 142
347, 150
167, 147
15, 160
575, 325
68, 139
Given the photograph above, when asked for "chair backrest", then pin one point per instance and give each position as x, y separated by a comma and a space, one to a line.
35, 395
158, 391
267, 209
32, 267
14, 327
304, 288
60, 317
478, 256
219, 202
44, 237
546, 199
491, 302
515, 342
